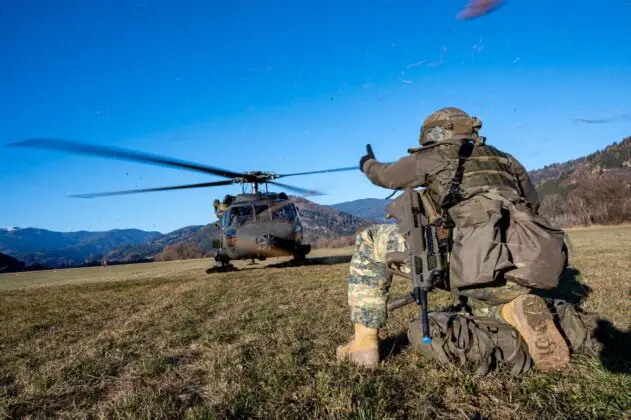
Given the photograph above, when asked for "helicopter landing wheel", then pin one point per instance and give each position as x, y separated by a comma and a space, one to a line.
222, 265
301, 252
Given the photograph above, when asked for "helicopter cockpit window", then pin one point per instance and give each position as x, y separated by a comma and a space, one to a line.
262, 213
285, 213
240, 215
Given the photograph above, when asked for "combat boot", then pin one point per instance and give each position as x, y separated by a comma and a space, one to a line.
363, 349
530, 316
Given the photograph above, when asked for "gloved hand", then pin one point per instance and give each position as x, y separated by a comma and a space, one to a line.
369, 155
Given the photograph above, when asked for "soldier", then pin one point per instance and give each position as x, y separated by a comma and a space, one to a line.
220, 208
502, 249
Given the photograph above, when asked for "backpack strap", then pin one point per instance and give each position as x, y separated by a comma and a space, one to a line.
454, 194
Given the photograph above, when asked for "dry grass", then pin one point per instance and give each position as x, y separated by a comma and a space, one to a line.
167, 340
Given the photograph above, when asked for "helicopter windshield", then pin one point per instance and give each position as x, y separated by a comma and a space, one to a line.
239, 215
287, 212
262, 213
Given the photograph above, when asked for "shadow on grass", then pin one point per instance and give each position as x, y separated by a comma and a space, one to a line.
569, 289
338, 259
615, 354
219, 269
394, 345
614, 344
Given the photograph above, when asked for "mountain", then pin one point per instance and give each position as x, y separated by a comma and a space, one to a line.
197, 239
612, 157
373, 209
152, 246
325, 224
57, 249
9, 264
594, 189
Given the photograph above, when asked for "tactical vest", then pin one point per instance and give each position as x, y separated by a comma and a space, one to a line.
485, 169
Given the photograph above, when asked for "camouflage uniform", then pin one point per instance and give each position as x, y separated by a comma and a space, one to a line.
369, 283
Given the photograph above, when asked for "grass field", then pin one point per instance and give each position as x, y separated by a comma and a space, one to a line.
167, 340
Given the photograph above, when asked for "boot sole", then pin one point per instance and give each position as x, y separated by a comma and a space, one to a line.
531, 317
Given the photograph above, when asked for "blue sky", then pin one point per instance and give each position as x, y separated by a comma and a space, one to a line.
286, 86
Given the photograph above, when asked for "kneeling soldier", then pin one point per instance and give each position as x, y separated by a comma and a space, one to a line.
501, 248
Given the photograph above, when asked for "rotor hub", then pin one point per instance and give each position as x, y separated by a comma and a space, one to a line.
258, 177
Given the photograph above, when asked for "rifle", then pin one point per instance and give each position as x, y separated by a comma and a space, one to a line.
428, 238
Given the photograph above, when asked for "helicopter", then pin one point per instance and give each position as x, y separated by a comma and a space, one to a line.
255, 224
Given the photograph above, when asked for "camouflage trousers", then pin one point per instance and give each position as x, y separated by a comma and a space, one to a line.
369, 282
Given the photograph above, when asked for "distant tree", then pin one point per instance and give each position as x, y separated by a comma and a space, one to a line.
600, 201
554, 208
180, 251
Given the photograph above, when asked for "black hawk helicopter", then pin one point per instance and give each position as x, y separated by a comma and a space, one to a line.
255, 224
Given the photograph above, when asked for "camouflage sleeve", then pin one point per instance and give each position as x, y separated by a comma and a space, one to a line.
403, 173
527, 187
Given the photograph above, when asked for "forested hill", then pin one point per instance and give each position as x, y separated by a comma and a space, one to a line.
373, 209
614, 156
58, 249
8, 264
595, 189
324, 224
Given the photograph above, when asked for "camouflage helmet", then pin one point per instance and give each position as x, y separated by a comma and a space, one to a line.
449, 124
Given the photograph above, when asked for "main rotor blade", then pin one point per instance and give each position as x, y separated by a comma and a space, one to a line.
350, 168
177, 187
301, 191
122, 154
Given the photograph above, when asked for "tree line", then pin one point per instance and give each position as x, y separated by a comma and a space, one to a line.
592, 202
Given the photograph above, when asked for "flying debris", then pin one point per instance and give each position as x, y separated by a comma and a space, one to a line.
479, 8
